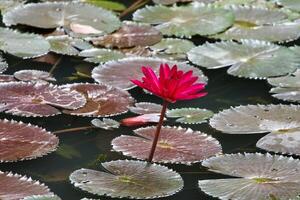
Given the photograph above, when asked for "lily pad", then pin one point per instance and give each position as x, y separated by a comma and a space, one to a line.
168, 2
96, 55
63, 44
6, 5
290, 4
23, 45
142, 108
6, 78
249, 59
173, 46
80, 18
102, 100
286, 94
175, 145
19, 141
124, 178
3, 64
130, 35
184, 21
33, 75
257, 176
190, 115
106, 123
16, 187
37, 99
42, 197
119, 73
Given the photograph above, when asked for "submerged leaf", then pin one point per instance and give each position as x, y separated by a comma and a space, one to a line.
106, 123
142, 108
16, 187
33, 75
184, 21
23, 45
190, 115
250, 58
96, 55
80, 18
19, 141
175, 145
37, 99
124, 178
102, 100
130, 35
259, 176
119, 73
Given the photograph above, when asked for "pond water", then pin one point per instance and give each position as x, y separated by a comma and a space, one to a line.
86, 149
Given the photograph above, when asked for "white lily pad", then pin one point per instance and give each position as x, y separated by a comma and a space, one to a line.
173, 46
96, 55
142, 108
184, 21
190, 115
3, 64
250, 58
6, 5
286, 94
175, 145
23, 44
119, 73
106, 123
80, 18
133, 179
258, 176
42, 197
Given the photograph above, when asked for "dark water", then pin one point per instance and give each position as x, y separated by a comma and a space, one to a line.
86, 149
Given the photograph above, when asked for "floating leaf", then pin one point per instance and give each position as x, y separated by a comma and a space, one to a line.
142, 108
80, 18
6, 5
186, 20
96, 55
175, 145
168, 2
190, 115
106, 123
124, 178
3, 64
37, 99
102, 100
290, 4
33, 75
6, 78
16, 187
119, 73
259, 176
137, 51
130, 35
42, 197
19, 141
250, 58
110, 5
63, 44
22, 44
286, 94
173, 46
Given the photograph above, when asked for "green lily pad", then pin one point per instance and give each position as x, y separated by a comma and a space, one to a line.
106, 123
80, 18
124, 178
96, 55
184, 21
249, 59
256, 176
22, 44
190, 115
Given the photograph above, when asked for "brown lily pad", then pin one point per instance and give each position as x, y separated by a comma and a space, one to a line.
20, 141
102, 100
37, 99
34, 76
175, 145
6, 78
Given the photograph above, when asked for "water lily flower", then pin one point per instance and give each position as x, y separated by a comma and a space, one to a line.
171, 85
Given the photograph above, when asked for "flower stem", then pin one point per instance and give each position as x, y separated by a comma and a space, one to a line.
133, 7
158, 128
73, 129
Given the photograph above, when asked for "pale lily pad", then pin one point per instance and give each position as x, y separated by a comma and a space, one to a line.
16, 187
6, 5
80, 18
257, 176
184, 21
42, 197
33, 76
63, 44
124, 178
173, 46
102, 100
96, 55
37, 99
119, 73
175, 145
3, 64
142, 108
130, 35
190, 115
250, 58
23, 45
290, 4
286, 94
106, 123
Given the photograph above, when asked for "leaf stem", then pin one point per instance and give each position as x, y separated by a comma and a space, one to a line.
133, 7
158, 128
73, 129
55, 65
